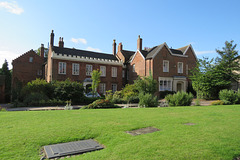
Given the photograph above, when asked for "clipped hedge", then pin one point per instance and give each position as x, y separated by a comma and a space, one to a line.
179, 99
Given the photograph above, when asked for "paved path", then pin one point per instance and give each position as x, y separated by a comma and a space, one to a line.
9, 107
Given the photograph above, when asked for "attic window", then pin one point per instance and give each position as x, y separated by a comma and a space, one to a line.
31, 59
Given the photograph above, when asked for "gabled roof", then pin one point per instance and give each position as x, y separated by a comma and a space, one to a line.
82, 53
30, 51
152, 52
127, 54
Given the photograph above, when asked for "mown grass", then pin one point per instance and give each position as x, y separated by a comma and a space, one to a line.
216, 134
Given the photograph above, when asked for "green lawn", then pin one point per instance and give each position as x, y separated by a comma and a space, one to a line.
216, 134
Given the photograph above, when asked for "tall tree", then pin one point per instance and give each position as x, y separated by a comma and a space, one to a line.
228, 62
8, 79
95, 80
208, 79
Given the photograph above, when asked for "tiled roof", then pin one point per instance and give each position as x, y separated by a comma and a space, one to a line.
183, 49
152, 51
174, 51
127, 54
83, 53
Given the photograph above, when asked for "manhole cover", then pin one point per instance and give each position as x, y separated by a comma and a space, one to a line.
189, 124
142, 131
70, 148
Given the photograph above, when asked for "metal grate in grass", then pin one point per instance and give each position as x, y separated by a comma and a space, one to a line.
71, 148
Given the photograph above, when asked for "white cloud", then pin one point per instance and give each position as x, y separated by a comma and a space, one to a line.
204, 52
9, 56
11, 7
79, 40
93, 49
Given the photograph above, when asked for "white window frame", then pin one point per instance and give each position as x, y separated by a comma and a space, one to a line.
165, 84
62, 67
133, 68
114, 71
180, 68
30, 59
89, 69
102, 88
103, 71
165, 66
75, 69
123, 73
114, 87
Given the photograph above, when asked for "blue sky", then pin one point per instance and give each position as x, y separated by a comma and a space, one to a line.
93, 24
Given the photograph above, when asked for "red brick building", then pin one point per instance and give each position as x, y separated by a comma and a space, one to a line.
28, 67
170, 67
63, 63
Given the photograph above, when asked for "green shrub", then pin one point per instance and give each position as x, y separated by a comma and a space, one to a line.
68, 90
33, 99
101, 103
147, 100
88, 100
162, 94
117, 98
38, 86
228, 96
2, 109
179, 99
197, 102
218, 102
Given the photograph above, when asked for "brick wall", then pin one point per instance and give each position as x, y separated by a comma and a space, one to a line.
82, 73
139, 67
26, 71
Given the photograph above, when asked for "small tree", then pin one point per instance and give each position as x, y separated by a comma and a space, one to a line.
146, 84
95, 81
8, 80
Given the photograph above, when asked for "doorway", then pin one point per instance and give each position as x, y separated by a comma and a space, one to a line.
179, 86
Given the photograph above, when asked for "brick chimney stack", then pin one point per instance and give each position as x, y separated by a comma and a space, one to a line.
139, 43
119, 46
114, 47
52, 39
61, 43
42, 51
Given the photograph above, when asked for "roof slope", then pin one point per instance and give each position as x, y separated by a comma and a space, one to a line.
83, 53
127, 54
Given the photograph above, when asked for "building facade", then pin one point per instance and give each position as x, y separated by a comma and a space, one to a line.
170, 67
